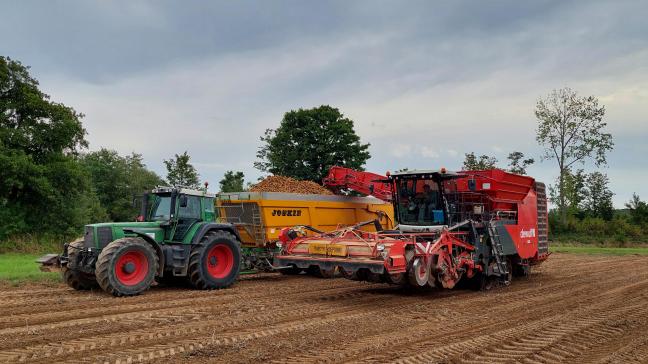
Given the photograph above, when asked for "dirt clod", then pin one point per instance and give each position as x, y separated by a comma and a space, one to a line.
289, 185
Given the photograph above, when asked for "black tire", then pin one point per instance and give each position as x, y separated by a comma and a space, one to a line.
293, 270
115, 279
204, 271
71, 275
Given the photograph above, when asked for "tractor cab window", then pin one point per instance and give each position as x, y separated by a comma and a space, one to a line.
161, 209
189, 207
419, 202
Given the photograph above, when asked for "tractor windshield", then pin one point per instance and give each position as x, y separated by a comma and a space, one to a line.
161, 209
419, 202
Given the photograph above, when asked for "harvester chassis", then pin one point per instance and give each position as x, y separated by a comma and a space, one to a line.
439, 258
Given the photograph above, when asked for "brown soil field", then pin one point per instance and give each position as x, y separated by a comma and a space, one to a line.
573, 308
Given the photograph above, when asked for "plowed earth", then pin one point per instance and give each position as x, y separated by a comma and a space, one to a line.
574, 308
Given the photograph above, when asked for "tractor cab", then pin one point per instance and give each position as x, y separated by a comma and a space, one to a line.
419, 199
177, 210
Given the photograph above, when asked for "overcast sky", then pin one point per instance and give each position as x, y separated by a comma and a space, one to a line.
424, 81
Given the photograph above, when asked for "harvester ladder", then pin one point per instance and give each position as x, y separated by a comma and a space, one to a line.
498, 252
257, 225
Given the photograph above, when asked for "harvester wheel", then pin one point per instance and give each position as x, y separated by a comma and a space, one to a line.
419, 272
215, 261
71, 274
399, 279
126, 267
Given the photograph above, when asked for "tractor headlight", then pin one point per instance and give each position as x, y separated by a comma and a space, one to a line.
380, 247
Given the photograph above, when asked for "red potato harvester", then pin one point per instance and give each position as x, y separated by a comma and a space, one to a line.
473, 226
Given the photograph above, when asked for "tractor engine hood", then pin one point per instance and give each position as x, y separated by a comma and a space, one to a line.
100, 235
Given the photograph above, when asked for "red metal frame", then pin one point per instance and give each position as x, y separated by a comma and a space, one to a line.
363, 182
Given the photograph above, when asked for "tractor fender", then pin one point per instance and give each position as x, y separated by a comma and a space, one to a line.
155, 246
215, 226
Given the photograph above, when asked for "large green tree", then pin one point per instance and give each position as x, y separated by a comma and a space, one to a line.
180, 172
308, 142
572, 130
43, 188
117, 180
232, 182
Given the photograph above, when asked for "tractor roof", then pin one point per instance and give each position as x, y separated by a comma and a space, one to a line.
183, 190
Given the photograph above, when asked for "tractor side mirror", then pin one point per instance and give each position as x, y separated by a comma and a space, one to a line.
183, 201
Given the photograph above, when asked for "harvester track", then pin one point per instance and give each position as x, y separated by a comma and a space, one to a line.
573, 308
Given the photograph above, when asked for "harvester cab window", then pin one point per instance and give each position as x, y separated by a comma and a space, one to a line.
419, 202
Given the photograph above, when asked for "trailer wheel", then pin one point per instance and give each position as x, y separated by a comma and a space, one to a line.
126, 267
215, 262
71, 274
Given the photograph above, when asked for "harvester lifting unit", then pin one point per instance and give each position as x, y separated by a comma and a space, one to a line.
476, 226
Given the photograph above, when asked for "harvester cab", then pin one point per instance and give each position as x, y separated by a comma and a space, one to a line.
175, 238
419, 199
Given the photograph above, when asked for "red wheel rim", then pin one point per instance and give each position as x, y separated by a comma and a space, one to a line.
220, 261
131, 268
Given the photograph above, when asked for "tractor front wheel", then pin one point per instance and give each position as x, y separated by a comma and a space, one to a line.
72, 276
215, 262
126, 267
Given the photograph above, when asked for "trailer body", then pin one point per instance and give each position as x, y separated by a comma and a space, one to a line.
259, 218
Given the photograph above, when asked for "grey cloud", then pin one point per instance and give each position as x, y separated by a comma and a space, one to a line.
209, 77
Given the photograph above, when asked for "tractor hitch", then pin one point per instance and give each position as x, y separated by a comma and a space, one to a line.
49, 263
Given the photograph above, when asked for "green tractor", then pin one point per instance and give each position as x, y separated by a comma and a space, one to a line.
175, 238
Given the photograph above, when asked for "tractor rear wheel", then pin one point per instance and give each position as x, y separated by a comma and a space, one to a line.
215, 262
126, 267
72, 276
